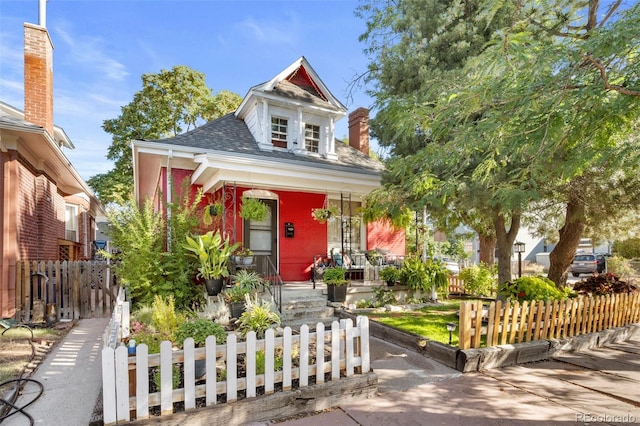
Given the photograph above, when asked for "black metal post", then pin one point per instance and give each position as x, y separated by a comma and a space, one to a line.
519, 264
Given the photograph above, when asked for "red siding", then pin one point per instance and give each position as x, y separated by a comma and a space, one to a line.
310, 237
381, 235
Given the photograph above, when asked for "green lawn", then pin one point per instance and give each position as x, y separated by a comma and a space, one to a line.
430, 322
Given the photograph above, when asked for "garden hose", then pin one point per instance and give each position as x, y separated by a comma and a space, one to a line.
8, 407
11, 404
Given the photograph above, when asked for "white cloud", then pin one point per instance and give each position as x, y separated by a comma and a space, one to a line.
88, 51
265, 32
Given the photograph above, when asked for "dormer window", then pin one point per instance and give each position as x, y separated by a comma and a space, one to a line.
312, 137
279, 132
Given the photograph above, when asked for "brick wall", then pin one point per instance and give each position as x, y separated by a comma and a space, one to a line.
40, 216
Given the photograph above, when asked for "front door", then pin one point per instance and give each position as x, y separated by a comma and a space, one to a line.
262, 236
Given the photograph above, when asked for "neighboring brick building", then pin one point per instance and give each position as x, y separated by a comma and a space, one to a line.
280, 147
47, 210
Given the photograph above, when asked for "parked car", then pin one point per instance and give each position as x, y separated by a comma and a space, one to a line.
451, 265
587, 264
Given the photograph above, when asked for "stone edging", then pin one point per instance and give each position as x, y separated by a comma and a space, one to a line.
468, 360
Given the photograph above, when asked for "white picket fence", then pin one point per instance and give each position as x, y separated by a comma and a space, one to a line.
341, 350
118, 327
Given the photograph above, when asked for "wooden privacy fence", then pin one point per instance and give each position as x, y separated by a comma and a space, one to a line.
64, 290
513, 322
303, 358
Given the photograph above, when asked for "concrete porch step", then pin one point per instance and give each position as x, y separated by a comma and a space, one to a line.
297, 314
311, 322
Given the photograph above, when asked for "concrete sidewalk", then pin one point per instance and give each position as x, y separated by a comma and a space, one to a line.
71, 376
601, 386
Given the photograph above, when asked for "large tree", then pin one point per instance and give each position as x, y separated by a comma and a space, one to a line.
169, 103
542, 110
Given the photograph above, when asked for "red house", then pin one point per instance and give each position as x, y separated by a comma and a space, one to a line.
279, 146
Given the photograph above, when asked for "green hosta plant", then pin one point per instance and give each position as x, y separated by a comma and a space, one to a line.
212, 252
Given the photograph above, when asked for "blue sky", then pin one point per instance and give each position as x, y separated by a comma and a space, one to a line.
102, 48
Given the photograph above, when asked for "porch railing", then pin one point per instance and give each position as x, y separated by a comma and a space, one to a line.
270, 274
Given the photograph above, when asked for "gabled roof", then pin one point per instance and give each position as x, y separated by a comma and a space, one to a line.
298, 81
231, 135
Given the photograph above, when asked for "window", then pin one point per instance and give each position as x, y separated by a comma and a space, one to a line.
279, 132
71, 222
345, 228
311, 137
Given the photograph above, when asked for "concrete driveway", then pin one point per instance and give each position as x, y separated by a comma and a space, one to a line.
599, 386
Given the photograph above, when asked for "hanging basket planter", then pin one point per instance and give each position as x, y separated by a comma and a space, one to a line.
323, 215
253, 209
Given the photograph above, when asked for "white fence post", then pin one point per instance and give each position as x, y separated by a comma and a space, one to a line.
210, 366
320, 353
269, 361
189, 374
142, 381
286, 359
304, 356
122, 383
108, 386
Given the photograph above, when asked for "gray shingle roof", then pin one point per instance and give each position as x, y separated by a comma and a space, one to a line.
231, 135
16, 121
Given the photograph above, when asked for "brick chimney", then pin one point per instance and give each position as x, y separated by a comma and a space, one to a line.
359, 130
38, 77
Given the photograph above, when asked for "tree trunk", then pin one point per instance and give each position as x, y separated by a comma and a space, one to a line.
504, 239
562, 254
487, 249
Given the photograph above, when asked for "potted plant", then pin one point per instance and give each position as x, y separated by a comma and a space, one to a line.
390, 275
244, 256
213, 253
245, 283
253, 209
336, 284
323, 215
210, 211
235, 297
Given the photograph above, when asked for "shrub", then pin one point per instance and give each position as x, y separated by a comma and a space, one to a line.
335, 276
384, 296
535, 288
414, 274
145, 265
479, 280
151, 339
165, 319
629, 249
199, 329
390, 273
620, 266
278, 361
421, 276
257, 316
